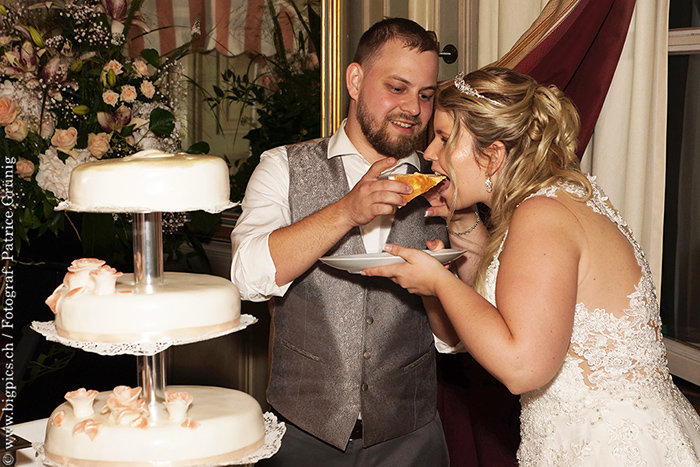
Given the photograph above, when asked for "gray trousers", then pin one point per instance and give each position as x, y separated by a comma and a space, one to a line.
424, 447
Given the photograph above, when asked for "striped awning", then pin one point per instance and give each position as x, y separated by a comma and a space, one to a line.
231, 27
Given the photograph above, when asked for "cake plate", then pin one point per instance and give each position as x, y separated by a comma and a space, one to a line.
148, 273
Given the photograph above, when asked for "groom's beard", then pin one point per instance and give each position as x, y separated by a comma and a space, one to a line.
379, 134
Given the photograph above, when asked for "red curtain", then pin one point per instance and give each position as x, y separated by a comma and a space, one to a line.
579, 54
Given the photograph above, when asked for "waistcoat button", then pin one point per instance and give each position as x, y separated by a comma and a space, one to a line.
369, 320
364, 386
366, 355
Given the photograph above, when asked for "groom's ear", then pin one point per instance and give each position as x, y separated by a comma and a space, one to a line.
353, 79
496, 153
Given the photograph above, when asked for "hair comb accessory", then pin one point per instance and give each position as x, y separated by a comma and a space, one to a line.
465, 88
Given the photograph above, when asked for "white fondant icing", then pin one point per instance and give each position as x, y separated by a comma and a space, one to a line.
150, 181
228, 421
183, 305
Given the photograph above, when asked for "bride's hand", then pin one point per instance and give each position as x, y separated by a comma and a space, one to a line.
438, 206
420, 273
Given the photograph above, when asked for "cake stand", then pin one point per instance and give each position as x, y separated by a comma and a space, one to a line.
151, 374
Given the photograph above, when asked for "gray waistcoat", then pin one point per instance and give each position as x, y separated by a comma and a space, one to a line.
345, 343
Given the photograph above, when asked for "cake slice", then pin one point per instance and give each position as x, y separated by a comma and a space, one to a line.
419, 182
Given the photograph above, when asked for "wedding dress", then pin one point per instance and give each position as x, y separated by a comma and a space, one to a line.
612, 402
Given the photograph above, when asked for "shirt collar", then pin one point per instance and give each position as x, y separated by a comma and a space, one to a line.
340, 145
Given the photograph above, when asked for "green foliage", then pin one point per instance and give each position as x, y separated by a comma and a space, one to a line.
286, 96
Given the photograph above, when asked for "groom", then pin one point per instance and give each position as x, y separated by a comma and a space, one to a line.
353, 358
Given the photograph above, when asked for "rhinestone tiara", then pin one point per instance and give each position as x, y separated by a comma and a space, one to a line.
465, 88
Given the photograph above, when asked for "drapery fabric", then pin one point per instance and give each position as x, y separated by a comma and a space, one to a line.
230, 27
575, 45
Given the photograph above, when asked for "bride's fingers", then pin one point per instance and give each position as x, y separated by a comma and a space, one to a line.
435, 245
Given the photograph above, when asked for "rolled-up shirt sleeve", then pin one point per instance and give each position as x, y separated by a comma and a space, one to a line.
265, 208
442, 347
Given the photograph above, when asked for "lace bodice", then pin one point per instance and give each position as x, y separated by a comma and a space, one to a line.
611, 360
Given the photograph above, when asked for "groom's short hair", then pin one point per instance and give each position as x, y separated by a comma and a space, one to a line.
411, 34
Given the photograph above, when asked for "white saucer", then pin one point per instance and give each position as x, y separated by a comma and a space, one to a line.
356, 263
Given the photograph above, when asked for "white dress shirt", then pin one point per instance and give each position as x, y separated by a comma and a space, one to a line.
266, 209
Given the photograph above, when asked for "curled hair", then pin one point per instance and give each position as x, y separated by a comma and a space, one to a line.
539, 128
411, 34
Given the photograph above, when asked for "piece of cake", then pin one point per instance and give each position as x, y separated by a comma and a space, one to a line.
150, 181
420, 183
195, 425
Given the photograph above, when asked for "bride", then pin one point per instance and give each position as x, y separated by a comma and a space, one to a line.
569, 316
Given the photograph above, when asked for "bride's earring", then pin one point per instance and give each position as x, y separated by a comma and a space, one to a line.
488, 183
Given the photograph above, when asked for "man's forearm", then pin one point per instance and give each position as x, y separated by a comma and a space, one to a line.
295, 248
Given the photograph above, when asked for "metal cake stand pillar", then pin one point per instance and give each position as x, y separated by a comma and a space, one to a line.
148, 272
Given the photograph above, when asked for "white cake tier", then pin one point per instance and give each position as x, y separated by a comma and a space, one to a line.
184, 305
150, 181
221, 425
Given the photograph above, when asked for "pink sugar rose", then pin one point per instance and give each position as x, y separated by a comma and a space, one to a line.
79, 273
128, 93
105, 279
126, 395
17, 130
98, 144
81, 400
24, 168
65, 139
8, 110
110, 98
124, 405
177, 404
55, 298
147, 89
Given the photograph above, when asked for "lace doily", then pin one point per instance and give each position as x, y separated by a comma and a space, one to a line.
48, 330
274, 430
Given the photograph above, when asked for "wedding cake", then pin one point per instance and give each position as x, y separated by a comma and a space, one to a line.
153, 425
195, 425
150, 181
97, 303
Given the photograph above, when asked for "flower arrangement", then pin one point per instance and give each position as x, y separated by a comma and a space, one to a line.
73, 90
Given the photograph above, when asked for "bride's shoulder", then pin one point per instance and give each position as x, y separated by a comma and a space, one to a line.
546, 214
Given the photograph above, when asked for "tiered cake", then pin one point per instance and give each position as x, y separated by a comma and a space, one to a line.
150, 425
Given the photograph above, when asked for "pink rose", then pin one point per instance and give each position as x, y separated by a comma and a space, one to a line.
140, 68
113, 65
17, 130
8, 111
24, 168
48, 125
147, 89
65, 139
128, 93
110, 98
98, 144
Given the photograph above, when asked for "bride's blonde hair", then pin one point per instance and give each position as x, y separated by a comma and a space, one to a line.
538, 126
